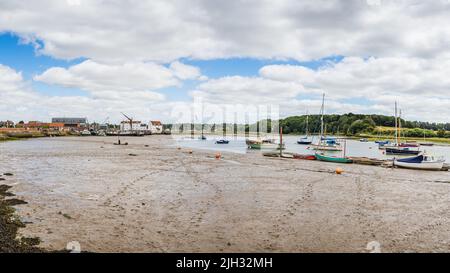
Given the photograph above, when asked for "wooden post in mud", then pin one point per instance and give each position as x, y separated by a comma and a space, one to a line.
281, 141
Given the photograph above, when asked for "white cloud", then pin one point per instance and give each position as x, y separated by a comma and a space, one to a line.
20, 102
356, 77
115, 81
421, 86
203, 29
237, 89
185, 72
126, 43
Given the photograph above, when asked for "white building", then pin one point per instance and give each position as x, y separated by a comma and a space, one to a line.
155, 127
126, 126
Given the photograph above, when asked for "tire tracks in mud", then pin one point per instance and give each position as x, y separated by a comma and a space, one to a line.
204, 205
365, 201
119, 230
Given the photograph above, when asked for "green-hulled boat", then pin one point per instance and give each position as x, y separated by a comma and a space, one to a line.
334, 159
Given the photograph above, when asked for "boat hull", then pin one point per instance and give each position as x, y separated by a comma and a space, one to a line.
304, 142
426, 144
326, 148
396, 151
263, 146
333, 159
430, 166
304, 157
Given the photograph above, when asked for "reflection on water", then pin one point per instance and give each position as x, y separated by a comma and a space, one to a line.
353, 147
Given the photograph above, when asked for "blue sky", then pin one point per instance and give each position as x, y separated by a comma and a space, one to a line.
25, 58
94, 60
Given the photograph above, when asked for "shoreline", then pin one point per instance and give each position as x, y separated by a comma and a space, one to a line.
166, 198
10, 225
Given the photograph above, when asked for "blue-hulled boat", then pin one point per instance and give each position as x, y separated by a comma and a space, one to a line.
401, 151
421, 162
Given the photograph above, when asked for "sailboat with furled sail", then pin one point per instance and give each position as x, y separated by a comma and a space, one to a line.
306, 140
398, 148
325, 143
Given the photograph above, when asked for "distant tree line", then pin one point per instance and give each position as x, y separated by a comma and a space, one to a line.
346, 124
354, 124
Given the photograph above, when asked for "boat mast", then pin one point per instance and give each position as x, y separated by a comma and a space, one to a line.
400, 124
321, 118
307, 123
396, 126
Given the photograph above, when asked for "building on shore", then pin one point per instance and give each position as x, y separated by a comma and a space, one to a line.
79, 123
126, 126
155, 127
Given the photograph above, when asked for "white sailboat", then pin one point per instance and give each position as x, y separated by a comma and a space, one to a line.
325, 144
306, 140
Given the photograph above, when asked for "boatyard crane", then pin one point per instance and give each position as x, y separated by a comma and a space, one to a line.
131, 121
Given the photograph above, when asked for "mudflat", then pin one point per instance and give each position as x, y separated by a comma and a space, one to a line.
152, 196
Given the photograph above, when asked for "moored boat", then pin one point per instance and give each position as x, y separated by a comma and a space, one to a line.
401, 151
421, 162
222, 141
333, 159
130, 133
409, 144
85, 133
304, 141
429, 144
328, 145
325, 143
259, 144
304, 157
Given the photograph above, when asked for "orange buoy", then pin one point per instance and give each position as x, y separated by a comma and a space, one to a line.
218, 155
339, 171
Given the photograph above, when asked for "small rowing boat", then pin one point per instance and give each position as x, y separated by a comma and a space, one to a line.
304, 141
333, 159
259, 144
222, 141
429, 144
304, 157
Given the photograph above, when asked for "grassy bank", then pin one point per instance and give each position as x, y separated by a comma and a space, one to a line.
416, 139
10, 223
25, 135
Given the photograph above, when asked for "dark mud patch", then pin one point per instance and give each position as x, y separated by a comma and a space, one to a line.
10, 223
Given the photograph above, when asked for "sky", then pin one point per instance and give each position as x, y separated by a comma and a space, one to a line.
159, 59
